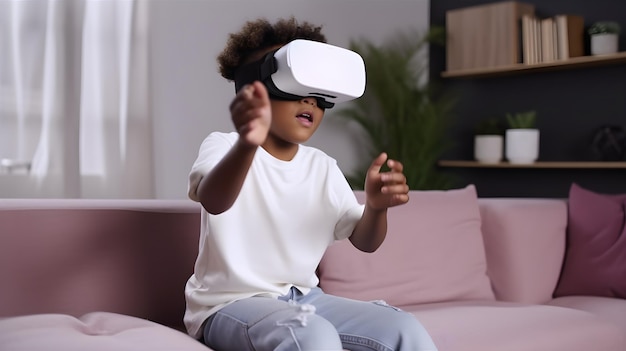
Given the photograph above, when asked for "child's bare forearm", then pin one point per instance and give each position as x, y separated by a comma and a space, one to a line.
219, 189
370, 231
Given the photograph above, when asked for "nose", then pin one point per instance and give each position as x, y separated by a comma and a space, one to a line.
309, 100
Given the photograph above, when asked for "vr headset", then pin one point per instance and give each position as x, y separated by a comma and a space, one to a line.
306, 68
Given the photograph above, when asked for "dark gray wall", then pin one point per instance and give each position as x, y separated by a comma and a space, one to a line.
571, 105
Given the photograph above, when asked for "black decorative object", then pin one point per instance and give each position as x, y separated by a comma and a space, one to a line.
609, 143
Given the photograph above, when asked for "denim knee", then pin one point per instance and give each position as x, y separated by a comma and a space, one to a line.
396, 330
316, 334
411, 334
292, 329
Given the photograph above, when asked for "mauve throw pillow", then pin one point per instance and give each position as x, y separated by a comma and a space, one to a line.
595, 256
433, 252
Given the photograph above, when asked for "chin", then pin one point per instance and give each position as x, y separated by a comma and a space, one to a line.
301, 140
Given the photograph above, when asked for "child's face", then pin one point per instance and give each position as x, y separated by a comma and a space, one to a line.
295, 122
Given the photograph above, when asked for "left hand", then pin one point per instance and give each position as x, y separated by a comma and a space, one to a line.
386, 189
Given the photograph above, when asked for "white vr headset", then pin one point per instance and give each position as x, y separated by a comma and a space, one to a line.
306, 68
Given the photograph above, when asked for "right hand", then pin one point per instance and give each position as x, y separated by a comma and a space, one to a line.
251, 113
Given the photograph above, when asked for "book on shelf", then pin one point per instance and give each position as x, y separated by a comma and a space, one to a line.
527, 43
571, 34
537, 40
531, 39
485, 35
552, 38
548, 52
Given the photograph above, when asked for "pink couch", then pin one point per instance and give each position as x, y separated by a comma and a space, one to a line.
479, 274
95, 274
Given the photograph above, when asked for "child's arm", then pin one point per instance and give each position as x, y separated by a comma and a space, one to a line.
251, 115
382, 190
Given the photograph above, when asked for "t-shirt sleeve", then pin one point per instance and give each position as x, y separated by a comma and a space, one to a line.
212, 150
349, 209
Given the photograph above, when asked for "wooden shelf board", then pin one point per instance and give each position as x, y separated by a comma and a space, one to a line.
538, 164
575, 62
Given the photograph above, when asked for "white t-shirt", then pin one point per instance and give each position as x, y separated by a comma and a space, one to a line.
274, 235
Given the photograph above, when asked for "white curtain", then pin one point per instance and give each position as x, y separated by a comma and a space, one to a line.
74, 99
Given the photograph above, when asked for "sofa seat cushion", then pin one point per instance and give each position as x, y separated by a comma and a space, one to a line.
433, 252
510, 326
97, 331
611, 309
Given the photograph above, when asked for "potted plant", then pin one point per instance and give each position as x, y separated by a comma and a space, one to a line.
604, 37
488, 141
399, 111
522, 138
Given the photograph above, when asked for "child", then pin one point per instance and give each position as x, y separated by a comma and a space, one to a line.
271, 206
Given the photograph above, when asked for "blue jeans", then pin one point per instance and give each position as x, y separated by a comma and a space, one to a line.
314, 322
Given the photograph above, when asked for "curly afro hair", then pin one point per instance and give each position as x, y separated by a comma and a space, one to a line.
257, 36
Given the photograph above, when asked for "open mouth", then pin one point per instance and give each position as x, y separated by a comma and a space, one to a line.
305, 117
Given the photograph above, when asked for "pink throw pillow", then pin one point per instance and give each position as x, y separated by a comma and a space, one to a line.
595, 256
433, 252
524, 244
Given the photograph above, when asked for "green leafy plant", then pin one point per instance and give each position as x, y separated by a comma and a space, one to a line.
522, 120
489, 126
604, 27
399, 112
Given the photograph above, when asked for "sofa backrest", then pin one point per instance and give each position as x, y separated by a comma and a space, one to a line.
134, 256
436, 243
75, 256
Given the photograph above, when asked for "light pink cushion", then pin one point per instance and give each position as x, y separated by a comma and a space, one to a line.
608, 308
433, 252
97, 331
524, 243
508, 326
595, 258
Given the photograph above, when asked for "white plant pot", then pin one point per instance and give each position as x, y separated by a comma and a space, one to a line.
522, 145
488, 148
602, 44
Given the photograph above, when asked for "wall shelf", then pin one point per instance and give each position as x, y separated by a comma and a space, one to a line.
538, 164
575, 62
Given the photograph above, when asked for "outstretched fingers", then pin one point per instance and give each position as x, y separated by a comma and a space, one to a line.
386, 189
376, 166
251, 113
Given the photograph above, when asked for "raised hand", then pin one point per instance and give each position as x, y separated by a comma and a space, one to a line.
385, 189
252, 114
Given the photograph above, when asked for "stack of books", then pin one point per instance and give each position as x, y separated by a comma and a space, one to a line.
488, 35
550, 39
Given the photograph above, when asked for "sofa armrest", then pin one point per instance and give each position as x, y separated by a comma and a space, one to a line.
525, 245
75, 256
